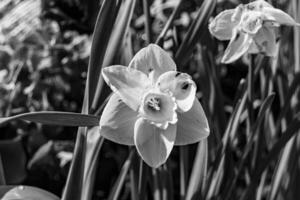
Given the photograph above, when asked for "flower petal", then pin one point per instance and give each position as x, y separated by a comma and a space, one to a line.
277, 15
158, 108
181, 86
117, 121
238, 45
223, 24
153, 144
264, 42
153, 59
128, 83
192, 126
251, 21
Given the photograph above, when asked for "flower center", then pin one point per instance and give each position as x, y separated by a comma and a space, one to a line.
251, 22
159, 108
154, 104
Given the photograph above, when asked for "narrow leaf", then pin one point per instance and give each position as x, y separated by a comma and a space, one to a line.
118, 34
195, 31
93, 147
198, 175
55, 118
116, 190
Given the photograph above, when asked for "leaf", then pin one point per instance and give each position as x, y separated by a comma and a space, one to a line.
183, 162
55, 118
2, 174
118, 34
14, 160
231, 130
25, 193
143, 178
116, 190
282, 168
198, 176
160, 38
103, 29
93, 147
74, 184
263, 111
195, 32
292, 129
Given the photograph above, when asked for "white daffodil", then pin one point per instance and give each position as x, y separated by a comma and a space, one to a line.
153, 106
250, 28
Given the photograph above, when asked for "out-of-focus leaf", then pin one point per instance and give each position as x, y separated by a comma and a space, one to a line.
296, 9
261, 187
195, 32
116, 190
43, 154
292, 129
263, 111
134, 176
286, 99
183, 166
55, 118
13, 154
146, 9
27, 192
174, 14
262, 115
198, 176
143, 178
281, 168
218, 166
2, 175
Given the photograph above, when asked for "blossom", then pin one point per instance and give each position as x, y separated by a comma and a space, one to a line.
152, 106
250, 28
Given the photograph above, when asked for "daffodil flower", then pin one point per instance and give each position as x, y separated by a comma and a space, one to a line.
152, 107
250, 28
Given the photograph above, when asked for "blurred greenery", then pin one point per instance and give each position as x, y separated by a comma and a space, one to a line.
45, 55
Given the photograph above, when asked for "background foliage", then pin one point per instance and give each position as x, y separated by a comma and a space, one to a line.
49, 60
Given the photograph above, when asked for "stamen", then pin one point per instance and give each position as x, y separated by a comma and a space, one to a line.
153, 104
